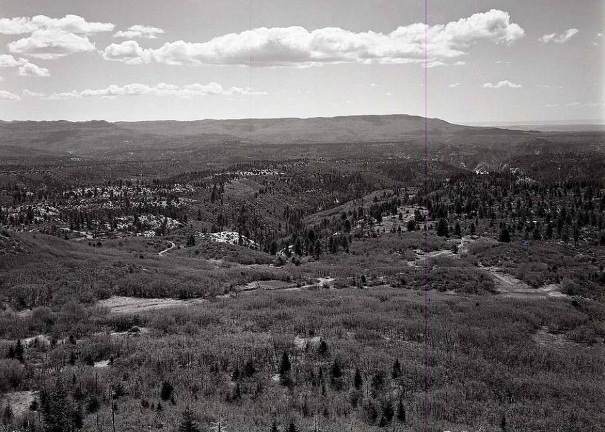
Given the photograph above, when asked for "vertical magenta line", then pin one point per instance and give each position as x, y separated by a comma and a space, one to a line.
426, 269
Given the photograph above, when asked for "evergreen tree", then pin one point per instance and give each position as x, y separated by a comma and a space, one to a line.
323, 350
56, 413
166, 391
190, 241
504, 235
442, 228
292, 426
396, 373
388, 412
188, 423
19, 350
400, 412
336, 370
357, 379
284, 369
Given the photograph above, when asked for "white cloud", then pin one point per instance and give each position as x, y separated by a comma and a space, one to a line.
161, 90
51, 44
139, 31
454, 85
296, 46
577, 105
69, 23
501, 84
30, 69
459, 63
7, 60
28, 93
5, 95
1, 79
128, 52
25, 68
559, 38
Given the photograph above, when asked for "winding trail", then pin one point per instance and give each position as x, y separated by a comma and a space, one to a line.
172, 246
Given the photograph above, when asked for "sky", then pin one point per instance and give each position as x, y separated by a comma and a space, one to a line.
464, 61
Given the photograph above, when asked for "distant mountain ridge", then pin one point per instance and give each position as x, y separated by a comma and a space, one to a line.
101, 136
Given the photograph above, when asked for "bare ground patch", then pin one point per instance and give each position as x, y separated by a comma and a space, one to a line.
119, 304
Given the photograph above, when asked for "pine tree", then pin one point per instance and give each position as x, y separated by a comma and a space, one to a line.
57, 413
387, 411
336, 370
323, 349
188, 423
166, 391
284, 369
396, 373
274, 427
442, 228
400, 412
292, 426
504, 235
19, 350
357, 379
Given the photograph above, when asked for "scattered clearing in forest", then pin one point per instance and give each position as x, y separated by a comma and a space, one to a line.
544, 338
119, 304
301, 343
19, 401
102, 364
266, 285
510, 286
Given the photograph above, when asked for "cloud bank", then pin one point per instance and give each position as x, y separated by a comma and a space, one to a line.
559, 38
139, 31
6, 95
298, 47
160, 90
24, 67
51, 44
501, 84
70, 23
51, 38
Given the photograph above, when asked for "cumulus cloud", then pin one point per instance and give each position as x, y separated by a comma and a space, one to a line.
6, 95
139, 31
51, 44
7, 60
128, 52
559, 38
296, 46
501, 84
25, 67
453, 85
162, 90
69, 23
30, 69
